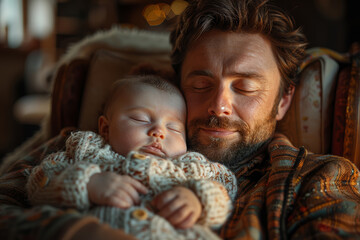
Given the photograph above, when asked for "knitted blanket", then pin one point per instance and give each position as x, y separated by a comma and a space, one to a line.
61, 180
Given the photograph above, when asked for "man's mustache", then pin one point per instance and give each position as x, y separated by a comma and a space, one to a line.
219, 122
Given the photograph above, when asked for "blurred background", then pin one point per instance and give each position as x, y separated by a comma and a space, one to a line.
34, 34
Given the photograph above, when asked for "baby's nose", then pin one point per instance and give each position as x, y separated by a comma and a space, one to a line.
156, 132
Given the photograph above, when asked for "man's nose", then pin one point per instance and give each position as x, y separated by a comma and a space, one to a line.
220, 103
156, 132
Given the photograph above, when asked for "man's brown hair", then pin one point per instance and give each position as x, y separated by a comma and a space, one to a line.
243, 16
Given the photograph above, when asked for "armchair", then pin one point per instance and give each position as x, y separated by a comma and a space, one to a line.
324, 115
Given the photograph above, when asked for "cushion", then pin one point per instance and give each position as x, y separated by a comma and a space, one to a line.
340, 106
352, 123
66, 96
309, 120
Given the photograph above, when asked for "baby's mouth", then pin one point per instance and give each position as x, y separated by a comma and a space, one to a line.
154, 148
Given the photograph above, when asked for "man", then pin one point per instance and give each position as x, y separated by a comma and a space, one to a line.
237, 62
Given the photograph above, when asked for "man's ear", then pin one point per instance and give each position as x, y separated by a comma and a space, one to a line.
285, 103
103, 126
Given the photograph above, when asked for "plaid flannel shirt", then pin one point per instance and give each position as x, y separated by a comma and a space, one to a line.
289, 193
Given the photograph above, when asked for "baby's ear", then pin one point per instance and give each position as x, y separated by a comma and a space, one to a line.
103, 126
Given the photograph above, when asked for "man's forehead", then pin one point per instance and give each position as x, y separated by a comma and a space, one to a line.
216, 40
231, 53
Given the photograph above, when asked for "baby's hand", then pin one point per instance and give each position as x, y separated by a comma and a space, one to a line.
180, 206
108, 188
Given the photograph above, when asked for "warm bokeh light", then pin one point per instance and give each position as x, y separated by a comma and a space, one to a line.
178, 6
155, 14
165, 8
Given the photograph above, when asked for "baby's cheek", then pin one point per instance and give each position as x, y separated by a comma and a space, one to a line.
133, 140
178, 146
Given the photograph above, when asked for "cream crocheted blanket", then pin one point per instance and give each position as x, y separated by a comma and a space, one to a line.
62, 177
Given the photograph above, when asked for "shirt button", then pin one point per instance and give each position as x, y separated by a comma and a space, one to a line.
44, 181
139, 214
139, 156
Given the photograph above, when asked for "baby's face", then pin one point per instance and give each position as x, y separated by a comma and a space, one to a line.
146, 119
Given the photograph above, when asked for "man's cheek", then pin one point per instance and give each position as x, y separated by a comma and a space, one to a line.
195, 114
190, 131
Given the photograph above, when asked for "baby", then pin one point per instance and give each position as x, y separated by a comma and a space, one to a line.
136, 173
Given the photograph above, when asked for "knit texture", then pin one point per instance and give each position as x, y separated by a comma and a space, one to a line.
62, 177
310, 212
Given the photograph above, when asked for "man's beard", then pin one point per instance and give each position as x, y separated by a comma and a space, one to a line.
232, 154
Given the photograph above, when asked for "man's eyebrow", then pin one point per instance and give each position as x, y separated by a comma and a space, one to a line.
204, 73
249, 75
